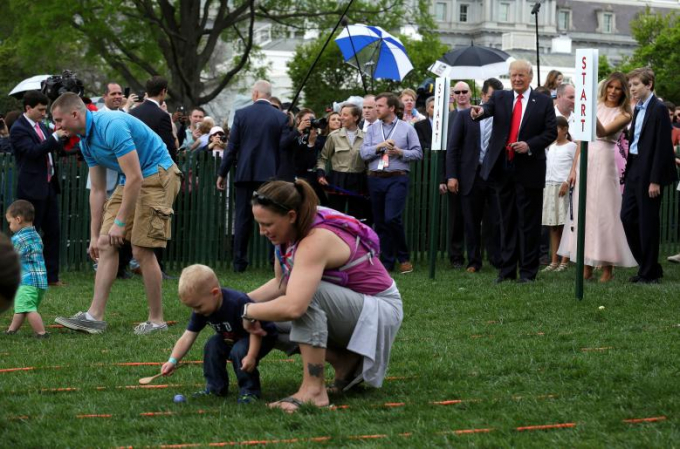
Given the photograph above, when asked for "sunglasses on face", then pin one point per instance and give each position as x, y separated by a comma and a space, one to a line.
460, 92
263, 200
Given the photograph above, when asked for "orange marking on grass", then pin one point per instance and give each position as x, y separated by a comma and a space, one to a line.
400, 377
366, 437
157, 414
11, 370
394, 404
338, 407
54, 390
641, 420
469, 431
94, 416
450, 402
597, 349
547, 427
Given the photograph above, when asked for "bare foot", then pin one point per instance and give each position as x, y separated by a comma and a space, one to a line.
607, 274
588, 272
292, 403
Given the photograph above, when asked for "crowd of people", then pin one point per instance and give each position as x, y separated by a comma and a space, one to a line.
510, 173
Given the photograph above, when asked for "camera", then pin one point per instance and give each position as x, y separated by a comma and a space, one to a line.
56, 85
223, 138
318, 123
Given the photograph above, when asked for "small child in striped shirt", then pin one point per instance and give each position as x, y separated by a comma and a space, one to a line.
26, 240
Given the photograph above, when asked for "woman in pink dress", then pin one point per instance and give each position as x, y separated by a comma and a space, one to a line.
606, 243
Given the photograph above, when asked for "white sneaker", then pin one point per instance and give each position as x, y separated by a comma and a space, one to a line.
674, 259
148, 327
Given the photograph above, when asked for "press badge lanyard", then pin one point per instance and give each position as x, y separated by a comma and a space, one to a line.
385, 160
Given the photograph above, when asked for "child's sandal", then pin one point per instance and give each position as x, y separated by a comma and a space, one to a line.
551, 267
562, 267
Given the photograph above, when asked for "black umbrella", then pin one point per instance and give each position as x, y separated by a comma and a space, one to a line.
472, 62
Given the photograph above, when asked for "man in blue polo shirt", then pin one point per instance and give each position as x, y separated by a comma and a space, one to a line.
139, 210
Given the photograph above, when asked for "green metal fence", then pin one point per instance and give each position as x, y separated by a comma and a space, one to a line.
203, 224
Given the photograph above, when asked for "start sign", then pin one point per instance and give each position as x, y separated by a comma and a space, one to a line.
585, 86
440, 120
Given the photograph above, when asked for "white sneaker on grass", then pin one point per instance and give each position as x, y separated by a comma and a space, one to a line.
79, 322
148, 327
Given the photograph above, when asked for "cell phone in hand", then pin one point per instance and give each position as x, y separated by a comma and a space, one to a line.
127, 92
140, 96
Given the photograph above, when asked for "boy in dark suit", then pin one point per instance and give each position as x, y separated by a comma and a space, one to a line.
650, 166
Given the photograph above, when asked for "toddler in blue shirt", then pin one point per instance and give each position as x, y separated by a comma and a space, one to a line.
221, 309
26, 240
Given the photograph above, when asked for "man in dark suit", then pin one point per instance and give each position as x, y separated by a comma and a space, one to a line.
461, 94
160, 122
38, 181
523, 127
254, 142
153, 116
650, 166
464, 157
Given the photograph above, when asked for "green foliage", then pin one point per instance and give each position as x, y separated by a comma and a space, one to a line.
201, 47
514, 355
604, 69
658, 38
331, 70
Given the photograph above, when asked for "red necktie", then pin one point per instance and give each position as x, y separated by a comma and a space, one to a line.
514, 127
41, 137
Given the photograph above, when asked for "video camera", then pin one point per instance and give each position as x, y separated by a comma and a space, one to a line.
56, 85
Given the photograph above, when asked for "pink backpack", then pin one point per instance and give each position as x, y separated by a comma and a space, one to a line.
365, 236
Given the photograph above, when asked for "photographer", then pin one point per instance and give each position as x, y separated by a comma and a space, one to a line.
218, 141
5, 145
298, 158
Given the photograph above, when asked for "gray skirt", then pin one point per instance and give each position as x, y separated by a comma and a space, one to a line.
341, 318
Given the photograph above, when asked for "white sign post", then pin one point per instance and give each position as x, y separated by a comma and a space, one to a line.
585, 86
585, 111
440, 120
440, 125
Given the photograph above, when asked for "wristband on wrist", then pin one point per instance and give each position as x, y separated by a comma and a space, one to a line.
117, 222
172, 360
245, 314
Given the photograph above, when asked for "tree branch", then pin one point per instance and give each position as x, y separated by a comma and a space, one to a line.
242, 62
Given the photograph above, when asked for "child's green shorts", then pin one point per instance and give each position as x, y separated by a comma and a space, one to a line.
28, 299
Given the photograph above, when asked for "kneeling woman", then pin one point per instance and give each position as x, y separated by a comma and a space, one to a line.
351, 326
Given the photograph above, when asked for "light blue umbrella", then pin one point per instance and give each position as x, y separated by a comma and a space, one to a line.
374, 51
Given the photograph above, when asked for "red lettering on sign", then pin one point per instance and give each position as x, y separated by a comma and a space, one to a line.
583, 95
584, 64
583, 124
583, 110
584, 77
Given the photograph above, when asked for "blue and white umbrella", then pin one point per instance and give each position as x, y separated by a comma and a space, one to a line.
374, 51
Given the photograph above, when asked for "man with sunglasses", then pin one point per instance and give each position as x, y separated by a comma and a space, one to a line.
460, 95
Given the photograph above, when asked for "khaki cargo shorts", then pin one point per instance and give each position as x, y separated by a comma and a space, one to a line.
150, 225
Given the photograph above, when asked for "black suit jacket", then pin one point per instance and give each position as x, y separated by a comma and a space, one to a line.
462, 152
159, 121
31, 157
655, 147
257, 135
424, 131
538, 129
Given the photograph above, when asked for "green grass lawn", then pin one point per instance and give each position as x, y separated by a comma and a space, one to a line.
496, 358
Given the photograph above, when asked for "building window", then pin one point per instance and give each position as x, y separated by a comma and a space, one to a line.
563, 20
504, 12
440, 11
608, 23
463, 16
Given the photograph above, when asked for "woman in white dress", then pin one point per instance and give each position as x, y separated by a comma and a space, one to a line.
606, 243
